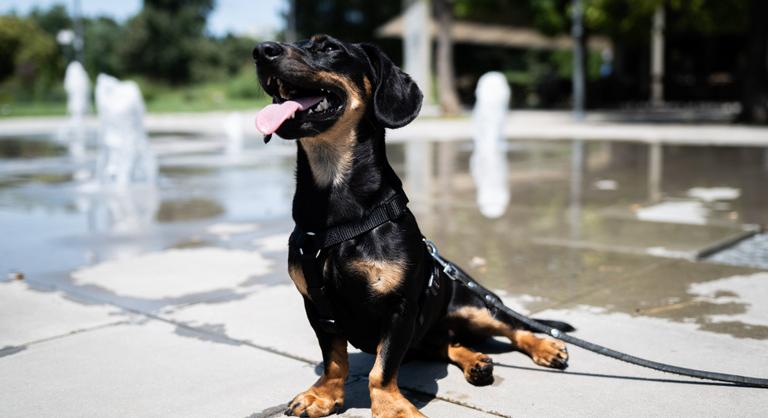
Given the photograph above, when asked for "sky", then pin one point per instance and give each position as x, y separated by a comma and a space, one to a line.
259, 18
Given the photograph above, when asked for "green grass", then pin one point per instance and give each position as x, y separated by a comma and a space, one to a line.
32, 109
220, 96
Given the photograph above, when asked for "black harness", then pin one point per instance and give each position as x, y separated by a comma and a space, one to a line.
311, 246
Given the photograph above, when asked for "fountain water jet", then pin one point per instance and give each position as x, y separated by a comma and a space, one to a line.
488, 163
233, 127
125, 156
78, 88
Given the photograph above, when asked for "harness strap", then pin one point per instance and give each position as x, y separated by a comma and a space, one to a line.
389, 210
311, 245
312, 265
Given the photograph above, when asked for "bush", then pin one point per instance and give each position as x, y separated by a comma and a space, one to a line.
29, 62
245, 85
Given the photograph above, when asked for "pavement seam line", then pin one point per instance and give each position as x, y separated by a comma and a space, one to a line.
70, 333
312, 362
236, 341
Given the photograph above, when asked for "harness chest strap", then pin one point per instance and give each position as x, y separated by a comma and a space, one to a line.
311, 244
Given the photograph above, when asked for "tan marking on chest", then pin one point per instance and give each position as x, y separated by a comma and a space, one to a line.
329, 160
297, 275
330, 152
383, 276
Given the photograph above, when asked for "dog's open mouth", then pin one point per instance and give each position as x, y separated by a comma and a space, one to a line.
294, 102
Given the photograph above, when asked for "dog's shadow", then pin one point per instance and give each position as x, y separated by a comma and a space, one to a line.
417, 380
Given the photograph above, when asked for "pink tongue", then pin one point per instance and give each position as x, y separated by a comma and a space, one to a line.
269, 119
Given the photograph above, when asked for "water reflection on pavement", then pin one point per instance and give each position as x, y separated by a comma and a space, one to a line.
619, 227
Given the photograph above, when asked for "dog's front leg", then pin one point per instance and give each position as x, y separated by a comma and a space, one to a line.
326, 396
386, 399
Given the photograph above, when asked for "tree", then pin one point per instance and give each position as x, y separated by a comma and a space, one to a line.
161, 41
754, 99
28, 58
51, 20
103, 37
351, 20
446, 83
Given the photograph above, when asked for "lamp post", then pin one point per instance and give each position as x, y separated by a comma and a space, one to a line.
77, 42
290, 30
657, 57
577, 33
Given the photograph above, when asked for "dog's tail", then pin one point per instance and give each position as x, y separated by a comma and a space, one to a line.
516, 324
558, 325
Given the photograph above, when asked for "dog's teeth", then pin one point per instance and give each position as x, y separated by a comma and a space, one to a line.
322, 105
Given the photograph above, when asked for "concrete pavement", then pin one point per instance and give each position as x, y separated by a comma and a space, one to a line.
247, 355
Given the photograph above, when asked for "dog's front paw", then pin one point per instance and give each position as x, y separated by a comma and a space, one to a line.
392, 404
550, 353
318, 401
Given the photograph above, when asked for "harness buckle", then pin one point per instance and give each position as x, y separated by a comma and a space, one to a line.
450, 271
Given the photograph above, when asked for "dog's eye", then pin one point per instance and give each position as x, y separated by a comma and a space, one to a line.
329, 48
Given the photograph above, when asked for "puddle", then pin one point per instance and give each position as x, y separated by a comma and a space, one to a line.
225, 230
712, 194
29, 147
683, 212
751, 291
188, 209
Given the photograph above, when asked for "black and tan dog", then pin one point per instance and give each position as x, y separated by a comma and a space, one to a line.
337, 98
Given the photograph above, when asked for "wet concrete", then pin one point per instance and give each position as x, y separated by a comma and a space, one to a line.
625, 236
567, 244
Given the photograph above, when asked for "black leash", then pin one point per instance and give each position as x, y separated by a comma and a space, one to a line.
455, 273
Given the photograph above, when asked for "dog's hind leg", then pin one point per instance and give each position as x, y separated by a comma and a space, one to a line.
478, 322
477, 367
437, 346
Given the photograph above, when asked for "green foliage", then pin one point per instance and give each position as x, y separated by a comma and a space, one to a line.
353, 20
103, 37
164, 48
28, 59
505, 12
163, 39
221, 58
244, 85
631, 20
52, 20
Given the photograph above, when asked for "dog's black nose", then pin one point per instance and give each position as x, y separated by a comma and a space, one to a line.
267, 51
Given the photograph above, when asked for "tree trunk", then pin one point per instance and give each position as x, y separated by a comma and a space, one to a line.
446, 82
754, 100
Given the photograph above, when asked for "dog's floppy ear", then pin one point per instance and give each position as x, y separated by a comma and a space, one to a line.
396, 98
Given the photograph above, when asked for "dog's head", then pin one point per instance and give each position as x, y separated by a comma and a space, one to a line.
324, 84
